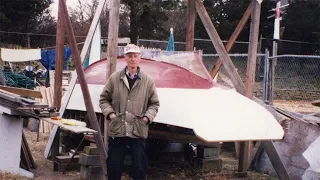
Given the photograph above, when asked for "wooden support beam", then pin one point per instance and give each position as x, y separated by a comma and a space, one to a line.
234, 76
250, 75
256, 150
276, 160
59, 61
112, 51
85, 90
22, 91
74, 76
113, 32
232, 39
190, 25
217, 43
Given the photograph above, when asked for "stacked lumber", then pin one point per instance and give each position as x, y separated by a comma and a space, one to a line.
27, 161
47, 98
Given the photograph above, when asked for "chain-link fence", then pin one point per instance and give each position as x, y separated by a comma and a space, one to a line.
296, 77
200, 44
240, 62
291, 47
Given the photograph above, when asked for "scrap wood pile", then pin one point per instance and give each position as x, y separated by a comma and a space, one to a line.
47, 98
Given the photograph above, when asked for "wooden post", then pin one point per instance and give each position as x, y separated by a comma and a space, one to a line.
74, 76
217, 43
59, 60
113, 37
250, 75
232, 39
190, 25
112, 52
85, 90
235, 78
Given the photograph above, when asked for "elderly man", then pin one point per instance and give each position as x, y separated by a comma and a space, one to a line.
130, 102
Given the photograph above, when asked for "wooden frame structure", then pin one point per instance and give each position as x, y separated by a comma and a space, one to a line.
224, 59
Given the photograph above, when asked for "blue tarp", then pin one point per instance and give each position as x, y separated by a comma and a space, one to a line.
170, 46
48, 58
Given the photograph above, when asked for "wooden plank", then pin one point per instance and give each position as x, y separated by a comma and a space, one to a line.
43, 93
10, 96
232, 39
250, 75
217, 43
24, 158
47, 90
33, 164
90, 150
75, 129
276, 160
190, 25
22, 91
59, 60
254, 152
288, 114
66, 159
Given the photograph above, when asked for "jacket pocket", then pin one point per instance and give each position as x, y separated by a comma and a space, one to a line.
140, 128
115, 127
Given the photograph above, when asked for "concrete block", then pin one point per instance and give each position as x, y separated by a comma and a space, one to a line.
91, 172
208, 152
209, 164
89, 160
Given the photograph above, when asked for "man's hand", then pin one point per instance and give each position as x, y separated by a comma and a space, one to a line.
146, 119
112, 115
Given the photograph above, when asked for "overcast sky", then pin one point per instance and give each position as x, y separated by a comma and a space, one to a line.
54, 6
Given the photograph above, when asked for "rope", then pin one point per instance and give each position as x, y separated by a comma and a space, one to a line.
18, 80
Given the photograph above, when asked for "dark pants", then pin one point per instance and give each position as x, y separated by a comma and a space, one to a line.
118, 147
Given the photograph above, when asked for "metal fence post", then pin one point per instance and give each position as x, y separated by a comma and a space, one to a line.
272, 64
266, 78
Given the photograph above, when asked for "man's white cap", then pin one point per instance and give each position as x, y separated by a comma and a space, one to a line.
131, 48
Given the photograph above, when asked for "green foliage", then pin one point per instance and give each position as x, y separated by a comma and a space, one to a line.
19, 16
302, 23
147, 17
15, 12
226, 14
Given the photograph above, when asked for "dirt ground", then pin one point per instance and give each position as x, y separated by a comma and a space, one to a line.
297, 106
44, 170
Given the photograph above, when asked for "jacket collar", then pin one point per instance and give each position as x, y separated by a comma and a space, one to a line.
123, 73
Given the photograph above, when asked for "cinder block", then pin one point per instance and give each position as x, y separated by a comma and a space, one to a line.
91, 172
206, 152
209, 164
89, 160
